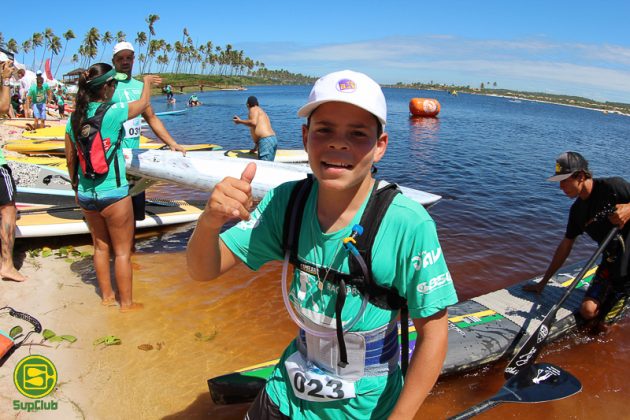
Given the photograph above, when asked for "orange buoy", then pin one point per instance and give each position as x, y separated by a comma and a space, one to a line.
424, 107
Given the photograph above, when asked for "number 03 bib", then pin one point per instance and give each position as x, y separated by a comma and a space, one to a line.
313, 384
132, 128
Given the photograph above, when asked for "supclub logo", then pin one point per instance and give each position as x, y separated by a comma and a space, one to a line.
346, 86
35, 376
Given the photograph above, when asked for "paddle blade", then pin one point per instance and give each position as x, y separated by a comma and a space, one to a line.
540, 382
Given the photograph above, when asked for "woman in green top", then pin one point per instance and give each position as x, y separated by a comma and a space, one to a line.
104, 199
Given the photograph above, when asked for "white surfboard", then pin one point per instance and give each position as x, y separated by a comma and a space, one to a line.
205, 171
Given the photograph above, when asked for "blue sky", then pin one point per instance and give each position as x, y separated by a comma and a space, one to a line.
566, 47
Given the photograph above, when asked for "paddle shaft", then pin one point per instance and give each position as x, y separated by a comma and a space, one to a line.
534, 344
477, 409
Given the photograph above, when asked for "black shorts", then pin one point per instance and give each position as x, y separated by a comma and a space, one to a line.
612, 300
7, 186
264, 409
139, 205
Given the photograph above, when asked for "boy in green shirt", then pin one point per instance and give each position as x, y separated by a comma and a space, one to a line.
315, 378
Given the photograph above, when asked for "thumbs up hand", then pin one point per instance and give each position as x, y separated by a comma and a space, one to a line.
230, 200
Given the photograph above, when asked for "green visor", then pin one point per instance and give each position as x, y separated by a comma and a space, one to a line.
106, 77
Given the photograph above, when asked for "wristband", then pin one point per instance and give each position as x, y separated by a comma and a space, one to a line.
6, 82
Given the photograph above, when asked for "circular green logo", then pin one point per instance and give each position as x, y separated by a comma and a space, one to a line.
35, 376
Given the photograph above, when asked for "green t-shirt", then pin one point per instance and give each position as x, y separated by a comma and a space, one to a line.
59, 99
128, 91
38, 95
113, 122
406, 255
2, 159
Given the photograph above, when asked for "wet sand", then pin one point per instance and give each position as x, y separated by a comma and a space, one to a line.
161, 367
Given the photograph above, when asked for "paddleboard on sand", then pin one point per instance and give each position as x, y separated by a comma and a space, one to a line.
34, 178
28, 123
481, 330
57, 147
57, 132
41, 215
203, 172
282, 155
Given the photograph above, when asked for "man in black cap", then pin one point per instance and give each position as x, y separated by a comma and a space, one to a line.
599, 204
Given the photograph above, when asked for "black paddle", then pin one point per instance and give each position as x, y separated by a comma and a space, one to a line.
540, 382
46, 180
527, 354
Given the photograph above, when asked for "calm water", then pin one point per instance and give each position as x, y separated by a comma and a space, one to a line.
499, 223
487, 156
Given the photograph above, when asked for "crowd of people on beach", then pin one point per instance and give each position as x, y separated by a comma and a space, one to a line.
350, 240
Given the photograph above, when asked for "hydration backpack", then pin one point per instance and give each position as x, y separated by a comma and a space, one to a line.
92, 148
387, 298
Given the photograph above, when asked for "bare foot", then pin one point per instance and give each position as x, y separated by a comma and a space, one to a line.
12, 274
132, 308
110, 301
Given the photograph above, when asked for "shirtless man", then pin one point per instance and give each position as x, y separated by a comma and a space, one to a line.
264, 137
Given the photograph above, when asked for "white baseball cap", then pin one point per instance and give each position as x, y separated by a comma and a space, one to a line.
350, 87
124, 45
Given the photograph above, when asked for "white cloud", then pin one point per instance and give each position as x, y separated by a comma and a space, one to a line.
597, 71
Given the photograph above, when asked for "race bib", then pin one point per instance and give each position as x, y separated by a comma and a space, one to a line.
132, 128
310, 383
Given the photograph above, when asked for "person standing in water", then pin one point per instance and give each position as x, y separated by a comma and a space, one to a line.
594, 197
265, 141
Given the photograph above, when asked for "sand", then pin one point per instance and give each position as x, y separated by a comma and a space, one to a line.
154, 373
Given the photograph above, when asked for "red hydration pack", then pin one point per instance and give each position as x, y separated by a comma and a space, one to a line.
92, 149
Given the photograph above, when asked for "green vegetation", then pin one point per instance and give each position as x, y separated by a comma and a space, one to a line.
612, 107
199, 82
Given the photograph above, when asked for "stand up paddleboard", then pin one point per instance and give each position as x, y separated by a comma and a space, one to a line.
203, 172
282, 155
56, 132
58, 148
41, 215
35, 178
481, 330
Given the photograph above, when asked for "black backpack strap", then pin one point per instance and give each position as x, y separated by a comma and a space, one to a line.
375, 210
404, 338
293, 215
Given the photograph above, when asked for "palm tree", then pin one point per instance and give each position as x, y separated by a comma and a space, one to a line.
179, 51
106, 40
12, 45
141, 39
90, 44
26, 47
48, 36
37, 42
68, 35
150, 20
120, 36
55, 47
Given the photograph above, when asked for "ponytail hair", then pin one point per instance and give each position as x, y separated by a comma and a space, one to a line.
87, 94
